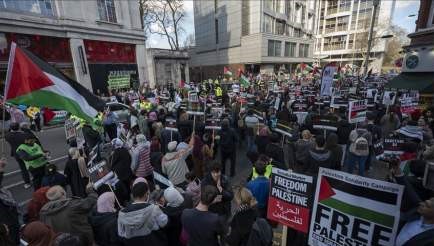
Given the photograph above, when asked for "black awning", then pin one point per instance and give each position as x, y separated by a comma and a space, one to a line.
420, 81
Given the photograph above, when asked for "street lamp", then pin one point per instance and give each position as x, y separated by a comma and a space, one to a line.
375, 3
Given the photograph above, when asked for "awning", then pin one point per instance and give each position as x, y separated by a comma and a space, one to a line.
421, 81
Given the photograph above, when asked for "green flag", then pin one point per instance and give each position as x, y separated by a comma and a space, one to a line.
244, 81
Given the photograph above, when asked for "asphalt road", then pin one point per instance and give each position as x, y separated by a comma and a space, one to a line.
52, 140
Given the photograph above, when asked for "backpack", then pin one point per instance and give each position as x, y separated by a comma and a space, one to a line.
359, 146
261, 233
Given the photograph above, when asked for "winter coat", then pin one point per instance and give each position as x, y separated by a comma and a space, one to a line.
141, 224
174, 227
174, 166
105, 229
55, 179
388, 126
74, 179
274, 151
302, 148
343, 132
316, 159
262, 143
121, 164
9, 214
91, 136
241, 226
228, 140
223, 207
70, 215
336, 156
39, 199
15, 139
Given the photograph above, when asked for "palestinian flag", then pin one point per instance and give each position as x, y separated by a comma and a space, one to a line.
32, 81
227, 72
358, 201
244, 81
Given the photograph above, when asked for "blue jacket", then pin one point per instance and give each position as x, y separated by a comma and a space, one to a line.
260, 188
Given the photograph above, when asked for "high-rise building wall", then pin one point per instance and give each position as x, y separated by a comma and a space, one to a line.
343, 31
251, 35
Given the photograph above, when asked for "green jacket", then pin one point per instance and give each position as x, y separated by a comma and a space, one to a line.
33, 156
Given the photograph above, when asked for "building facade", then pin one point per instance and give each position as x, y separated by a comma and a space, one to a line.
418, 63
251, 35
167, 67
87, 40
343, 31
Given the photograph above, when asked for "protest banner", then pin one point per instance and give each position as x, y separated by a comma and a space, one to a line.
70, 131
409, 102
393, 145
357, 111
325, 122
327, 79
118, 81
389, 98
194, 106
79, 137
354, 210
378, 149
290, 201
337, 102
99, 173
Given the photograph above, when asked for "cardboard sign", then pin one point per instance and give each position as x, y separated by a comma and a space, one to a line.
99, 173
70, 129
357, 111
325, 122
409, 102
354, 210
289, 202
378, 149
194, 106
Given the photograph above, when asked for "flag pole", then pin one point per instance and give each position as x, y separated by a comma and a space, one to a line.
6, 88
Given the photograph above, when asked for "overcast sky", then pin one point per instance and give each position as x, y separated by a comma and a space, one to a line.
403, 9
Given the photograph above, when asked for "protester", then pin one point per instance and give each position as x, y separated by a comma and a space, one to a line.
4, 236
318, 157
103, 220
34, 158
360, 140
274, 150
228, 146
9, 216
202, 227
76, 173
15, 138
243, 219
141, 159
389, 122
52, 177
39, 199
121, 162
335, 150
222, 204
260, 187
69, 215
302, 147
173, 163
173, 209
140, 222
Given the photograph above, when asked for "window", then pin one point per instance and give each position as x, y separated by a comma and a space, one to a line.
107, 10
290, 49
303, 50
269, 4
40, 7
268, 23
297, 33
216, 26
342, 23
274, 48
351, 41
344, 5
280, 27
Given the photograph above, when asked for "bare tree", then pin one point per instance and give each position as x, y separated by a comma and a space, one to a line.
164, 18
394, 45
189, 41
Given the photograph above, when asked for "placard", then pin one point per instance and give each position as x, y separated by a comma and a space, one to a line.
389, 98
327, 80
99, 173
325, 122
289, 202
70, 131
393, 145
354, 210
170, 124
194, 106
357, 111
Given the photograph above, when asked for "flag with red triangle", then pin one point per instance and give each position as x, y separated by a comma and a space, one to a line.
32, 81
227, 72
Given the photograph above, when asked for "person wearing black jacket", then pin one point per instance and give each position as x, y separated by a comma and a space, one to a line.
318, 157
9, 215
15, 138
215, 178
418, 229
275, 151
103, 220
120, 162
228, 146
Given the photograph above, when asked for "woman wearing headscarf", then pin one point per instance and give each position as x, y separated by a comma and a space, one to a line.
103, 220
243, 219
38, 234
173, 209
76, 173
39, 199
120, 161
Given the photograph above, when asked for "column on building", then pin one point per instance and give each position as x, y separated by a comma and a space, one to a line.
79, 60
141, 55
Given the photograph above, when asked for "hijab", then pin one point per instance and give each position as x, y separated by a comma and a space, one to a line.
106, 203
38, 234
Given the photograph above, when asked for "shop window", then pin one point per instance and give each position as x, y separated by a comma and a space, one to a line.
101, 51
39, 7
107, 10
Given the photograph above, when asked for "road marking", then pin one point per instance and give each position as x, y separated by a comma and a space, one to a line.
20, 183
21, 204
51, 160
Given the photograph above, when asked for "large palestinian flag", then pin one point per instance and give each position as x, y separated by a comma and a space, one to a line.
32, 81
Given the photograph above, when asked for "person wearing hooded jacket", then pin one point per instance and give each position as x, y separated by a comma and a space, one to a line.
69, 215
318, 157
141, 222
173, 163
173, 209
103, 220
121, 162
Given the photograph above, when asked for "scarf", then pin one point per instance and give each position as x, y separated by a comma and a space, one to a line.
106, 203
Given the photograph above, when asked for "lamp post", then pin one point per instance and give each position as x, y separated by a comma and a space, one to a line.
375, 3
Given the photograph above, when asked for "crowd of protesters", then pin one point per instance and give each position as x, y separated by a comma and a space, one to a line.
203, 207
